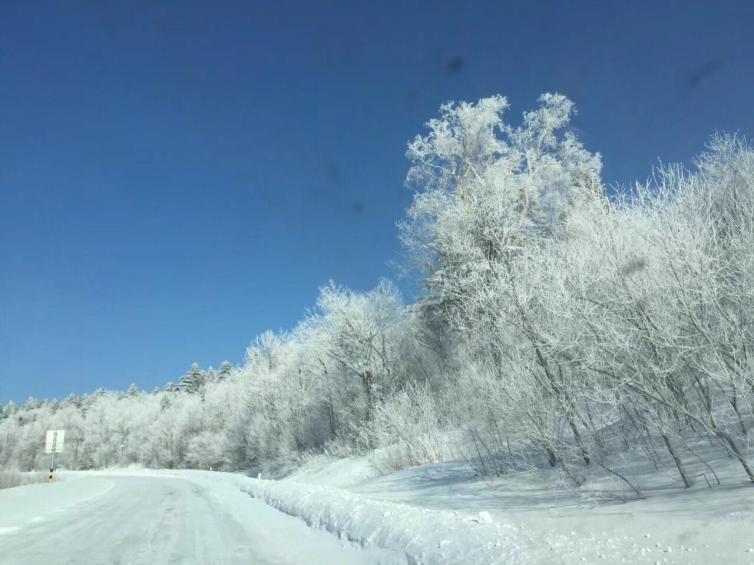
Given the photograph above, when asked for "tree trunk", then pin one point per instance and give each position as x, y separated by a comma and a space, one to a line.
552, 456
737, 452
579, 441
367, 382
677, 460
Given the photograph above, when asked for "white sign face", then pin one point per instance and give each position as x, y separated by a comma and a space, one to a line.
54, 441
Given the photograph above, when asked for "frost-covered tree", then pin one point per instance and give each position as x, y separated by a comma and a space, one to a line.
359, 337
556, 326
225, 370
491, 198
193, 381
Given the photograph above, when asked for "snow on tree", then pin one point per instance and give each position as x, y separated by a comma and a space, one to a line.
555, 326
226, 368
193, 381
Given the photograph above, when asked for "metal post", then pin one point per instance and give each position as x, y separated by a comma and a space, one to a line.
52, 459
54, 441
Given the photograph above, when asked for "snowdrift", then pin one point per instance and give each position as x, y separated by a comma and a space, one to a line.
425, 536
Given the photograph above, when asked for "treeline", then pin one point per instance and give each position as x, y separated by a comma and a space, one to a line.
557, 327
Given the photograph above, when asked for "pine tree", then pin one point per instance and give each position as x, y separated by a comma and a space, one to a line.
193, 381
226, 368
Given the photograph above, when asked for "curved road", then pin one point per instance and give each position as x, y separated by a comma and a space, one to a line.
156, 520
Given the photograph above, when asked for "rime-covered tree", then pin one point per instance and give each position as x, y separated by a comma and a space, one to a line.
193, 381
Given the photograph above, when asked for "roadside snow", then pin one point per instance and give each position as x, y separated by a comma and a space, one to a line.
540, 519
426, 536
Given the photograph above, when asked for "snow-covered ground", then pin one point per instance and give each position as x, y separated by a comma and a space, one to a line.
526, 517
132, 517
25, 506
437, 514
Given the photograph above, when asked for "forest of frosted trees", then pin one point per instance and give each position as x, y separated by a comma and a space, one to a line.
557, 327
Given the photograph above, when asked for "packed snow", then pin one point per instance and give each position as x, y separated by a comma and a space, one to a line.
33, 504
151, 518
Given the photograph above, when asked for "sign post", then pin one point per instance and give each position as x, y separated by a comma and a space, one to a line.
54, 443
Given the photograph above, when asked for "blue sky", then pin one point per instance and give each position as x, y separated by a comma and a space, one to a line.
177, 178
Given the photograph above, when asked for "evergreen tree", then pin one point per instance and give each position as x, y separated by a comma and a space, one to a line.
193, 381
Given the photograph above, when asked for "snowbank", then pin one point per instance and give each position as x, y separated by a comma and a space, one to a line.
425, 536
441, 514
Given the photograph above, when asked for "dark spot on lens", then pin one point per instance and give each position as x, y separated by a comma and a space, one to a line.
455, 64
704, 71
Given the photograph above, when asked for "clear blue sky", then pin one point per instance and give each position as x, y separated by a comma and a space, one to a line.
177, 178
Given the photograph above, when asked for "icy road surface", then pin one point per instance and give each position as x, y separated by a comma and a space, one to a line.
155, 520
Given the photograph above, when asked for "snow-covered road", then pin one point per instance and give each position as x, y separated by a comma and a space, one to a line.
160, 519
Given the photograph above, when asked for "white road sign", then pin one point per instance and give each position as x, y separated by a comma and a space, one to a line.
54, 441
